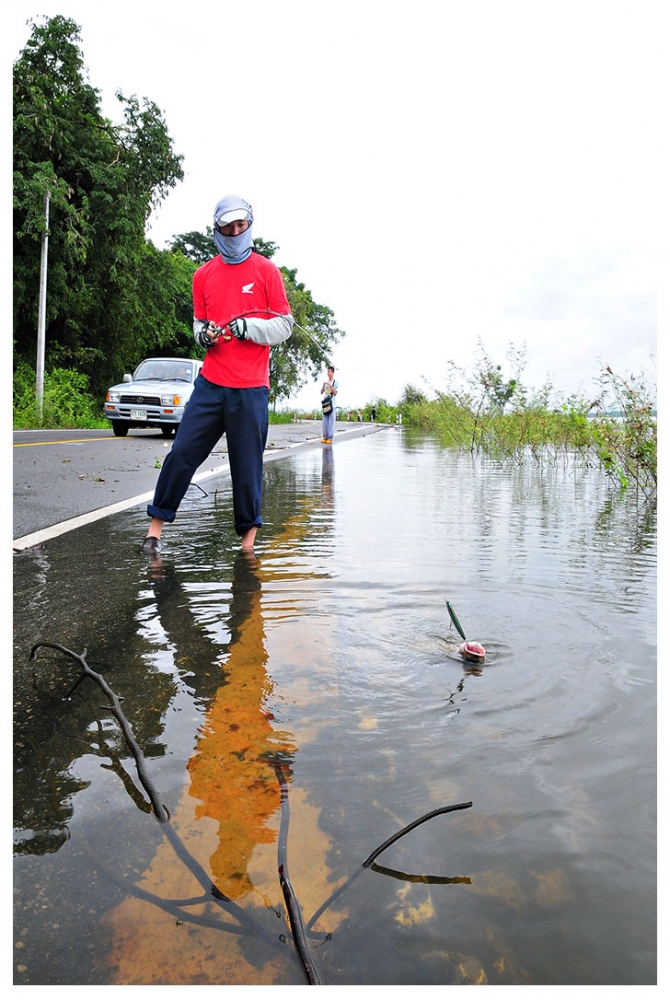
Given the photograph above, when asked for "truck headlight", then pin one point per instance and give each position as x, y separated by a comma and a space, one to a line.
170, 400
113, 397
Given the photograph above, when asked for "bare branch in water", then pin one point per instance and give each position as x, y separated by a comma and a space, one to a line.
292, 904
382, 847
177, 907
158, 808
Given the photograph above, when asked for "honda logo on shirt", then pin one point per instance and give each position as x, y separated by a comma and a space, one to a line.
247, 288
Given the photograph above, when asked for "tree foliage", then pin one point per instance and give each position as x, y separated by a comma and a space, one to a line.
112, 296
412, 396
486, 389
309, 348
197, 247
110, 292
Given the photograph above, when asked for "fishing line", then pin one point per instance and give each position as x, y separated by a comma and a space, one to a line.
271, 312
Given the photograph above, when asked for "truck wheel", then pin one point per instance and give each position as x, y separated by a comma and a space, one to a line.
120, 428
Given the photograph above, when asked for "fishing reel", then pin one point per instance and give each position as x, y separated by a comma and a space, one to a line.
214, 331
237, 329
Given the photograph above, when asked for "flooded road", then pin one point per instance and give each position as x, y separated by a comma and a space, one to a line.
327, 662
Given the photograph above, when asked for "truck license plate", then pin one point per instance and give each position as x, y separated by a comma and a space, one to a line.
138, 414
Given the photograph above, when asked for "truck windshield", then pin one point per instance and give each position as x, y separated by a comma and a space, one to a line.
164, 371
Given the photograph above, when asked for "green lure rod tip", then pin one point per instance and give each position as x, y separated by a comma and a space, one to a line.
457, 624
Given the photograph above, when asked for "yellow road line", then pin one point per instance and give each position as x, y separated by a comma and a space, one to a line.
34, 444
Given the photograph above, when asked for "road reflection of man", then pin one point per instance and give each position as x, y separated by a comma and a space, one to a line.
327, 478
229, 813
233, 779
231, 770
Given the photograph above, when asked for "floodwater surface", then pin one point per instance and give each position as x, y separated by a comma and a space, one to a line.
298, 708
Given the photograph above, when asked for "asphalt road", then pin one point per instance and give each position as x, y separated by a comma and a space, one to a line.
64, 478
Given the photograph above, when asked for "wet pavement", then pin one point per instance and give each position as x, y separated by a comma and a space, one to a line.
328, 658
63, 479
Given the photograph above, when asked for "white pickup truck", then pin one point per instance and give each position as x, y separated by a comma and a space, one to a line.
155, 395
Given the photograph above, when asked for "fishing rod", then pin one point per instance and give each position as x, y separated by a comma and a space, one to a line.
271, 312
313, 339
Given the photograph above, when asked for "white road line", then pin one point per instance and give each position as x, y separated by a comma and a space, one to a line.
37, 537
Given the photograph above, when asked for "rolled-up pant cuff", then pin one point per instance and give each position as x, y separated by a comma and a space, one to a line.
162, 513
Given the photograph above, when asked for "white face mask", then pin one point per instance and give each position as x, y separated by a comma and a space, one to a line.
234, 249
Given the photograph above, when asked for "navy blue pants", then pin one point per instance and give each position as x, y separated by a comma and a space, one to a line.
242, 414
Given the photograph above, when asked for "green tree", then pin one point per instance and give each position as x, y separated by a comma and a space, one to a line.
265, 247
197, 247
111, 295
412, 396
309, 348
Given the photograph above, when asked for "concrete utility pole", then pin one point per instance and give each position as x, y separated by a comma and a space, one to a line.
41, 316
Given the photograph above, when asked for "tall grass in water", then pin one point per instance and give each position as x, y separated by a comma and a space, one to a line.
626, 438
483, 412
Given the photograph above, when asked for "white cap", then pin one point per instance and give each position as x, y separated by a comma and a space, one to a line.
234, 216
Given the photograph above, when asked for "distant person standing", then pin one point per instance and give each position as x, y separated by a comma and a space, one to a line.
240, 310
373, 414
328, 393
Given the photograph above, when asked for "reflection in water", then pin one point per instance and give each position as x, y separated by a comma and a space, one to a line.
327, 478
231, 771
336, 643
53, 737
426, 879
230, 809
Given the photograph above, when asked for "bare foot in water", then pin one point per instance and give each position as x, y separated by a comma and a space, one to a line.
155, 528
248, 540
152, 544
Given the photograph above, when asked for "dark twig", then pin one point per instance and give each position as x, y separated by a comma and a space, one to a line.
292, 904
412, 826
387, 843
212, 894
159, 809
115, 708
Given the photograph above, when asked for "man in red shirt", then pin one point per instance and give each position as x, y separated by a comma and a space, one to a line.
240, 310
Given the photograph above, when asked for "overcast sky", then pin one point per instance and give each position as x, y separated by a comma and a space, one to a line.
438, 172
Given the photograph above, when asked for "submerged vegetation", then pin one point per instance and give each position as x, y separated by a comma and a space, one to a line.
483, 412
480, 411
